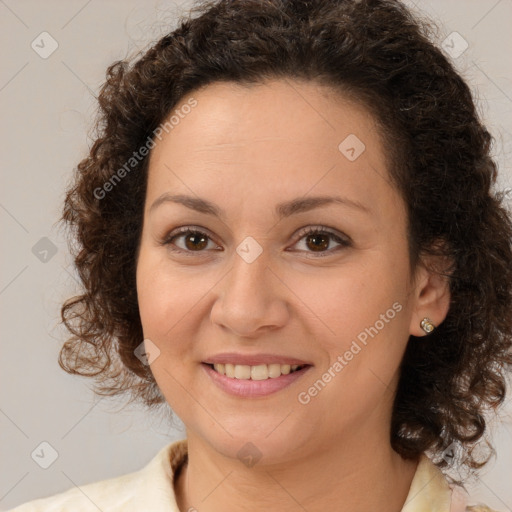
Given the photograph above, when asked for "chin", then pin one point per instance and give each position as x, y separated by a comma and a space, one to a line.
253, 446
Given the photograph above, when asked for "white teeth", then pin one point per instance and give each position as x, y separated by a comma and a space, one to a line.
242, 371
258, 372
285, 369
274, 370
230, 370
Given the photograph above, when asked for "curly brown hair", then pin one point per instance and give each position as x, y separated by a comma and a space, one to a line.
438, 156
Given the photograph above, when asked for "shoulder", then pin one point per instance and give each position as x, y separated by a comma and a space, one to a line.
147, 489
431, 490
102, 494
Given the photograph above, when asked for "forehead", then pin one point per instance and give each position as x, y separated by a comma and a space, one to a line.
230, 113
277, 139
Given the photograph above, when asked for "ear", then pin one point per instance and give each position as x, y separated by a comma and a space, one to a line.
431, 293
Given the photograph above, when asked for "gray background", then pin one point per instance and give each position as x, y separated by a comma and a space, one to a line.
47, 109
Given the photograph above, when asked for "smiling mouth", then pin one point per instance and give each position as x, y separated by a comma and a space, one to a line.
258, 372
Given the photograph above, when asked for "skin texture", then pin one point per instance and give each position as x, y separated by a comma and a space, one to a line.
247, 149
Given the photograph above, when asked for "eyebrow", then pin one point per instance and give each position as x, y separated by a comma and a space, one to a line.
285, 209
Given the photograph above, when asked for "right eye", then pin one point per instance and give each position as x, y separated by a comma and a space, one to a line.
193, 240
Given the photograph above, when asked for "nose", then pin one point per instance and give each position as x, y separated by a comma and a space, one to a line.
251, 299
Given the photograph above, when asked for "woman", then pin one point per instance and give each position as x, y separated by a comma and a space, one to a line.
287, 231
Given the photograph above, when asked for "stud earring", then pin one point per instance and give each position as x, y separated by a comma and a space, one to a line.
427, 325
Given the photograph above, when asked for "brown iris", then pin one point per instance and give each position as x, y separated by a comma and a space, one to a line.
320, 241
196, 241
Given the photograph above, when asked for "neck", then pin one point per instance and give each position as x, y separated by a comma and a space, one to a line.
357, 474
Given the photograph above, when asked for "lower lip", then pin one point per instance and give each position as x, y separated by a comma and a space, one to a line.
253, 388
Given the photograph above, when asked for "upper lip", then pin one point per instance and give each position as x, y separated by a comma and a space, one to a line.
252, 360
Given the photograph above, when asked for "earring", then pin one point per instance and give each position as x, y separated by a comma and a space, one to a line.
427, 325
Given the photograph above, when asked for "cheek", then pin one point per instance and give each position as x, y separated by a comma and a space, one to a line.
363, 324
162, 300
172, 304
347, 300
370, 334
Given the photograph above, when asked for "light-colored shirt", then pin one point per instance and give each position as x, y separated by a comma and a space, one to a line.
151, 489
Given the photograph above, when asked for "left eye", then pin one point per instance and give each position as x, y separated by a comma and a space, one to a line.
319, 239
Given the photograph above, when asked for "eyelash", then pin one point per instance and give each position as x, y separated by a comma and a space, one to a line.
344, 242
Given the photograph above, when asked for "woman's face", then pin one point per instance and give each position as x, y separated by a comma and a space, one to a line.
255, 168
